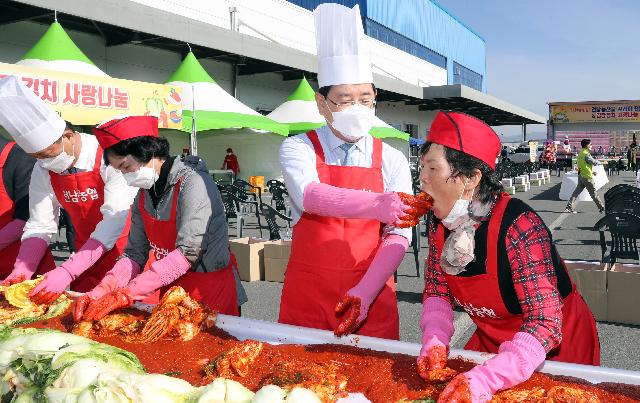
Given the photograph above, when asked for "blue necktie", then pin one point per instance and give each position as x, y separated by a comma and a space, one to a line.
347, 148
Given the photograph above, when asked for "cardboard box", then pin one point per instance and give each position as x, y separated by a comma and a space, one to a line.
250, 257
590, 279
276, 258
507, 182
623, 298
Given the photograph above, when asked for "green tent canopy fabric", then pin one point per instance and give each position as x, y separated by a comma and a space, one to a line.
55, 50
214, 107
300, 112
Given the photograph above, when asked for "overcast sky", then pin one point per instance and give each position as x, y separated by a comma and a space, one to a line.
540, 51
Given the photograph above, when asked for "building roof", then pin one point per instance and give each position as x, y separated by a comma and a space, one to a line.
118, 22
492, 110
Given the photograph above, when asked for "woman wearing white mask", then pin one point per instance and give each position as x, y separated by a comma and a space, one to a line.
178, 232
346, 196
493, 256
70, 173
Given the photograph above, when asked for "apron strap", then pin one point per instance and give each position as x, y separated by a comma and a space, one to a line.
174, 202
376, 160
493, 232
317, 147
5, 153
98, 162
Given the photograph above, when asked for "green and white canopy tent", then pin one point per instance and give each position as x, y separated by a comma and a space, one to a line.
57, 51
221, 122
300, 112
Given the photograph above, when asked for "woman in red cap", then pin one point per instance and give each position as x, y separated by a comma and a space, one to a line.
178, 228
493, 256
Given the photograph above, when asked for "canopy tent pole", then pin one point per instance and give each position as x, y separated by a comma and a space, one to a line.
194, 129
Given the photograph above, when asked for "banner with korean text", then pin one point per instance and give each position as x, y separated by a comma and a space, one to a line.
589, 112
88, 100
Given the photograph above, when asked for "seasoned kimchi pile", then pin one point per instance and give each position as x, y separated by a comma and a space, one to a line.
330, 371
177, 316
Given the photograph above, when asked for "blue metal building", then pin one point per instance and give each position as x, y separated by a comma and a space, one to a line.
426, 30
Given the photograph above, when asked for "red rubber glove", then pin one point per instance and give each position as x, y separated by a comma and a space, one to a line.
100, 307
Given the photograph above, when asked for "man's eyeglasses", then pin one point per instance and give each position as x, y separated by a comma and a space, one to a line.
365, 102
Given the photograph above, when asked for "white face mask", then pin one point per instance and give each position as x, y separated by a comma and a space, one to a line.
60, 162
353, 122
143, 178
459, 212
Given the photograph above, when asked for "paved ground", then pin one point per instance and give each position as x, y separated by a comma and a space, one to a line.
575, 241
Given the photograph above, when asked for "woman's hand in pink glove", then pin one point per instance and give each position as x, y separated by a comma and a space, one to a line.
80, 305
53, 285
457, 391
31, 252
119, 276
515, 362
437, 328
100, 307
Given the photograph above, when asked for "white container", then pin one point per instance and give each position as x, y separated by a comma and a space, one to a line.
507, 182
276, 333
519, 180
533, 176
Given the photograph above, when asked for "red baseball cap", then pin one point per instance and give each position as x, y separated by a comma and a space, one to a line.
121, 128
467, 134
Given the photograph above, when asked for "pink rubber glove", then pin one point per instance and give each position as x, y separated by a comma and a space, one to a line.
332, 201
31, 252
118, 277
162, 272
57, 280
358, 299
515, 362
437, 329
11, 232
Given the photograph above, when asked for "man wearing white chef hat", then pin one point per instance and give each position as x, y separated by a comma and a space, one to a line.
345, 187
70, 173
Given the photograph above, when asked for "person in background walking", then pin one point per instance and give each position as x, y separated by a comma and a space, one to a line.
585, 177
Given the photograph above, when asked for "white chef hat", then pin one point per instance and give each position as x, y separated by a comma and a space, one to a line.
343, 54
31, 122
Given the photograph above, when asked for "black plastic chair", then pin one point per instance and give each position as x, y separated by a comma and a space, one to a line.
250, 191
621, 189
274, 183
239, 208
271, 215
626, 203
278, 198
624, 229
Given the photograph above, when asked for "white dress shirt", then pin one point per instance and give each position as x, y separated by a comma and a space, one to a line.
298, 160
44, 207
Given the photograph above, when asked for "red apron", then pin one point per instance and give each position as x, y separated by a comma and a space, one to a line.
480, 297
81, 195
215, 289
8, 255
330, 255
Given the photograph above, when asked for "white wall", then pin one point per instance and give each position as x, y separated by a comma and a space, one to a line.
397, 113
